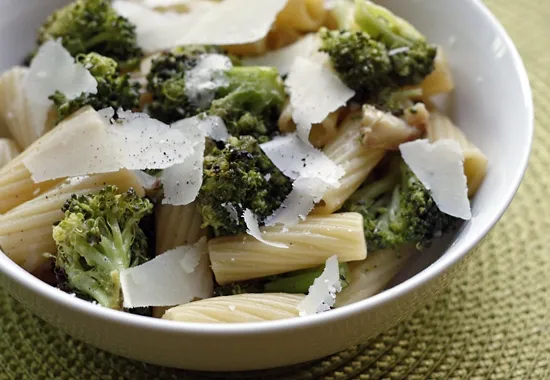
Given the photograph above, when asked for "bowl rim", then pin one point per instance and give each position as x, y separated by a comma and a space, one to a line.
440, 266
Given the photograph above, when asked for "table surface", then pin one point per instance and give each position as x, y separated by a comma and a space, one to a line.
493, 322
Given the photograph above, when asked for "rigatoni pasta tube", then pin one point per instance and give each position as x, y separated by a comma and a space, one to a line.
238, 309
16, 184
372, 275
26, 231
475, 163
8, 151
357, 161
320, 134
310, 243
441, 79
303, 15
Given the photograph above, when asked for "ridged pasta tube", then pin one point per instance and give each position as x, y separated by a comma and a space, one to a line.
441, 79
372, 275
26, 231
357, 161
475, 163
240, 308
310, 243
303, 15
176, 226
320, 134
15, 109
8, 151
16, 184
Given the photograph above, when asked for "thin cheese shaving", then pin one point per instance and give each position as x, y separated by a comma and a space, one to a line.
313, 173
297, 159
315, 91
54, 69
322, 294
235, 22
168, 280
253, 229
440, 168
89, 144
182, 182
232, 211
231, 22
146, 180
202, 81
284, 58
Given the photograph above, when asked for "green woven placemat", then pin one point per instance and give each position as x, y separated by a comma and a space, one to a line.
493, 322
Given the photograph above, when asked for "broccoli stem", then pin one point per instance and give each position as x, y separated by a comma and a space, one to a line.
300, 281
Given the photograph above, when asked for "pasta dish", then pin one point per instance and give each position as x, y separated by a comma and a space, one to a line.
229, 161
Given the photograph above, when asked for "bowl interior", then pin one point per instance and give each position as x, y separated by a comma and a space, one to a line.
492, 104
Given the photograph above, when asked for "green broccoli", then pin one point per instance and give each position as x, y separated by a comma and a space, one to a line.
411, 56
86, 26
385, 54
252, 102
97, 239
297, 282
395, 101
166, 82
239, 175
113, 89
248, 99
397, 210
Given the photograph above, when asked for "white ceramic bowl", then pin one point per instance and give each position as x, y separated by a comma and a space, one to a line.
492, 104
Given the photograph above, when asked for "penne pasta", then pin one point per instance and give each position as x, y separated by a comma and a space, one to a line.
475, 162
310, 243
239, 308
8, 151
281, 36
26, 231
372, 275
303, 15
176, 226
441, 79
358, 161
320, 134
15, 110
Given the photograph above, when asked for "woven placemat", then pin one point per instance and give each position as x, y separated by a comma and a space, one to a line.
493, 322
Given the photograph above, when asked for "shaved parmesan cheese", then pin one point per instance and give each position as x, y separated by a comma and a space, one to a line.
322, 294
202, 81
297, 159
157, 31
235, 22
284, 58
440, 168
315, 92
253, 229
306, 192
146, 180
183, 181
313, 173
54, 69
89, 144
176, 277
232, 211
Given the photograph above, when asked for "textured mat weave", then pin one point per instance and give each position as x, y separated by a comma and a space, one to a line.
492, 323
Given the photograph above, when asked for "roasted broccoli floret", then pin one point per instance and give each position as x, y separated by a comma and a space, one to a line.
86, 26
239, 176
397, 210
166, 82
297, 282
380, 53
252, 101
248, 99
97, 239
113, 89
411, 56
